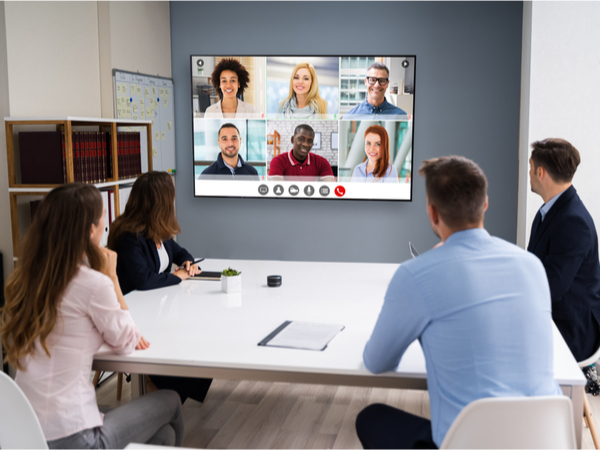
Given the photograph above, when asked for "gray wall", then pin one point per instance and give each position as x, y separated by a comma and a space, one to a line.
467, 102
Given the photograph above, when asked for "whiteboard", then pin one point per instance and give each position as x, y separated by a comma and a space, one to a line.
146, 97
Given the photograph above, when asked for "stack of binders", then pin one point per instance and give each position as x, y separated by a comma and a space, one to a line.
43, 156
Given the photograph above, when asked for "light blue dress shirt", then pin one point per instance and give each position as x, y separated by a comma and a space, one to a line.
239, 164
480, 308
546, 206
366, 111
359, 174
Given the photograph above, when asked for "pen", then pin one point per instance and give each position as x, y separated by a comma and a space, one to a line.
195, 262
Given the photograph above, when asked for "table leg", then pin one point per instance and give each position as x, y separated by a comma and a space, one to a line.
138, 385
577, 394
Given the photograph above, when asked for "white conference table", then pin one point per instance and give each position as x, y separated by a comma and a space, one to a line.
196, 330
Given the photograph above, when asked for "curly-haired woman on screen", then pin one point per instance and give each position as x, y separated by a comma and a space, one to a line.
230, 78
303, 101
376, 167
63, 302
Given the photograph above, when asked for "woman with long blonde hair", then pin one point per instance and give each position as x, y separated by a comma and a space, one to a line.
63, 302
303, 101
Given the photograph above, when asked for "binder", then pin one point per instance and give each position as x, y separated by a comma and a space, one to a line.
86, 156
109, 155
111, 205
64, 156
124, 192
41, 157
76, 157
107, 221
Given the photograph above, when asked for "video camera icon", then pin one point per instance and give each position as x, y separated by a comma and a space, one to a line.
293, 190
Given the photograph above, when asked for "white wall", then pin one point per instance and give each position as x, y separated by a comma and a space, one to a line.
59, 61
564, 96
136, 37
53, 60
5, 233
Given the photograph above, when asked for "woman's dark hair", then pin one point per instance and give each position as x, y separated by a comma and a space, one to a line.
50, 255
150, 210
234, 66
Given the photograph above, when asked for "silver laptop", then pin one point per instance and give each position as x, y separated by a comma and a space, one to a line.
413, 251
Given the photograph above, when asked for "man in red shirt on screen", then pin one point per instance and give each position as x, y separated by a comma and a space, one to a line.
299, 162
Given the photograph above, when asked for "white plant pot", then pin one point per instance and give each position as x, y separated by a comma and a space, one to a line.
231, 284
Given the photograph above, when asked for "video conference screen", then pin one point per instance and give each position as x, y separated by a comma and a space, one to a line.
314, 127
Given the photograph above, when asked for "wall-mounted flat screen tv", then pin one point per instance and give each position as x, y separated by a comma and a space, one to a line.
303, 127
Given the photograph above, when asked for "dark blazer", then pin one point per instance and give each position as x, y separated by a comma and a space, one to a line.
567, 244
138, 263
219, 168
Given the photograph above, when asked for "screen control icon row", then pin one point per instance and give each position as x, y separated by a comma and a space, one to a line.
294, 190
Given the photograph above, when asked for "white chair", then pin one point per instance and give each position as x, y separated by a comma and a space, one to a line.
514, 422
587, 413
19, 426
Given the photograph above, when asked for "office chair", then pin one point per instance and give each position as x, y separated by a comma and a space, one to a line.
514, 422
19, 425
96, 379
587, 413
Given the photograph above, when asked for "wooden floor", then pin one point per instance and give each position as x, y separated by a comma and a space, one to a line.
247, 414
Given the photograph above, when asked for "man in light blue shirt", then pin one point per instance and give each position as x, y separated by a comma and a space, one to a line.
479, 306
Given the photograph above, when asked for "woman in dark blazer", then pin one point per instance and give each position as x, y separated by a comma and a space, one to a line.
139, 263
143, 238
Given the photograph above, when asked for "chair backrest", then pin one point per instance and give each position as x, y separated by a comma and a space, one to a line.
591, 360
514, 422
19, 426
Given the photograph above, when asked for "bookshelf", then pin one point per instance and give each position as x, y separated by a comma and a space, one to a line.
66, 125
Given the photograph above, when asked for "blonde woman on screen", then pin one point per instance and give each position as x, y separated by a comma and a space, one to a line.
376, 167
303, 101
63, 302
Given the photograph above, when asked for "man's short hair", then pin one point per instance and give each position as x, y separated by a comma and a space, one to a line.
457, 187
228, 125
303, 126
379, 66
558, 157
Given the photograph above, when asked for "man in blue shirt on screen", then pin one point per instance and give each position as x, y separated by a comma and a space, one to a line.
377, 82
479, 306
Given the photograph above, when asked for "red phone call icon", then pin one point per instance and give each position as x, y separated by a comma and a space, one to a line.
340, 191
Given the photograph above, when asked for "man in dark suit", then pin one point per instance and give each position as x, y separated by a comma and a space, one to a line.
564, 237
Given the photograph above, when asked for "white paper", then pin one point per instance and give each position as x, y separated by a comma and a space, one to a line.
306, 335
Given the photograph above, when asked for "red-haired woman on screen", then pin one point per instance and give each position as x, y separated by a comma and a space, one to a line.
376, 167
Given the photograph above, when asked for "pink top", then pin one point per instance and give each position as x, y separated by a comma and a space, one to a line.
59, 388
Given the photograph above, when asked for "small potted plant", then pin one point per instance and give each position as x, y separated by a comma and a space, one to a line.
231, 281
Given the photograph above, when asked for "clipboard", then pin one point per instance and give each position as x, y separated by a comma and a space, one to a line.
302, 335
